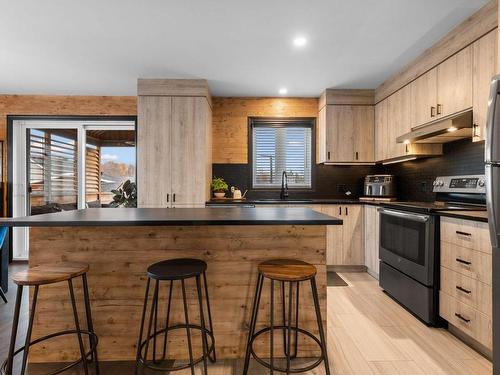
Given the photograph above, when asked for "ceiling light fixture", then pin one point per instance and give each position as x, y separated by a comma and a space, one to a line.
300, 41
283, 91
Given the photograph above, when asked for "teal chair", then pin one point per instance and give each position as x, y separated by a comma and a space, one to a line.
3, 234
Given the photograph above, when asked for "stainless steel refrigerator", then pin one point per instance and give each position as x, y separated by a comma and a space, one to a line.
492, 159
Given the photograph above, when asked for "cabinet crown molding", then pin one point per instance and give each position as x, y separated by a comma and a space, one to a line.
173, 87
347, 97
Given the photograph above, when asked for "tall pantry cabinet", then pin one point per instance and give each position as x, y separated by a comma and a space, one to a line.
174, 128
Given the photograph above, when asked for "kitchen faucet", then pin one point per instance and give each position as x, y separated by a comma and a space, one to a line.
284, 186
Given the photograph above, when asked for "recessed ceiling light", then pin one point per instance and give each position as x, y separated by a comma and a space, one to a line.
283, 91
300, 41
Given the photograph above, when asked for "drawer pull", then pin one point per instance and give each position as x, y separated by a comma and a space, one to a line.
463, 233
463, 290
459, 316
463, 261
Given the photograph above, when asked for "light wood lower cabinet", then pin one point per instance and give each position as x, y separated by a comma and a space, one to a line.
371, 240
465, 281
345, 243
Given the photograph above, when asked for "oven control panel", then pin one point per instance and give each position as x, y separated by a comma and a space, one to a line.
460, 184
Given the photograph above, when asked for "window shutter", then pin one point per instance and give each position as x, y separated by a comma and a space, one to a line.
281, 148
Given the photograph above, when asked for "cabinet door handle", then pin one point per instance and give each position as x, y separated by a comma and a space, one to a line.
463, 233
463, 261
340, 210
406, 148
439, 109
357, 155
328, 155
433, 111
463, 289
346, 213
474, 130
459, 316
168, 197
173, 197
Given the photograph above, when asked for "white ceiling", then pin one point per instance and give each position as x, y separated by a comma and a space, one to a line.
243, 48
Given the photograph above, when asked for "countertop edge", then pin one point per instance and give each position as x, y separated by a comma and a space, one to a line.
463, 216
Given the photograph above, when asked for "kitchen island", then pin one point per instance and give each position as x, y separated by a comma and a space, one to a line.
119, 245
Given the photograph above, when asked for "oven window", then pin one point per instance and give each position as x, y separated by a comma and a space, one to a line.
403, 237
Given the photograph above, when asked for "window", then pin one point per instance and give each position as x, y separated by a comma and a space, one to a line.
281, 145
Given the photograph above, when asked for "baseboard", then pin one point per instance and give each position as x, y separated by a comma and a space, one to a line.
477, 346
372, 273
345, 268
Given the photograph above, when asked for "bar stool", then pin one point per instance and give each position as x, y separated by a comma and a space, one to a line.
175, 270
44, 275
292, 272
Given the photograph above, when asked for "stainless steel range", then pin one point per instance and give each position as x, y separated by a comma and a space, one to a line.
409, 243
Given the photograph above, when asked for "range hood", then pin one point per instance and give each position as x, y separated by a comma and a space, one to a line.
449, 129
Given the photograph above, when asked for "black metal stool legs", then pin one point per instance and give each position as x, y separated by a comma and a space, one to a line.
15, 324
253, 321
202, 322
213, 359
77, 327
320, 326
90, 324
141, 330
30, 329
286, 346
2, 295
188, 331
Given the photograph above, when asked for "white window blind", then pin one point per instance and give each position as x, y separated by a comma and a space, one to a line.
281, 148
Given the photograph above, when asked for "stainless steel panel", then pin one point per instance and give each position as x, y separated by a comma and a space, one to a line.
493, 202
492, 145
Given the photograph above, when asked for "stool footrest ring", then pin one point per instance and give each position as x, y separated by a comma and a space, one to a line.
211, 348
281, 369
93, 346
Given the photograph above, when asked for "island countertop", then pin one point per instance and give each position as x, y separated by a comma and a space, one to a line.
175, 217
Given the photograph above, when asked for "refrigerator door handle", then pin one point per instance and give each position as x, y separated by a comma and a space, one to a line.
492, 144
493, 201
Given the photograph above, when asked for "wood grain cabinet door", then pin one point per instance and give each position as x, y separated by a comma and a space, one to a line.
334, 234
398, 121
340, 133
189, 150
371, 239
153, 160
353, 235
423, 93
381, 130
454, 77
483, 69
364, 133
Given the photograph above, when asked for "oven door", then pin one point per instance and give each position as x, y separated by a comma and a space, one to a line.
407, 243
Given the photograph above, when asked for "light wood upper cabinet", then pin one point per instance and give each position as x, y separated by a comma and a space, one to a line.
483, 69
189, 150
381, 130
153, 146
173, 145
423, 95
454, 88
398, 121
348, 132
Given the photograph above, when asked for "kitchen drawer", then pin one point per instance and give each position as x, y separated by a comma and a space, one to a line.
466, 290
467, 233
467, 262
467, 319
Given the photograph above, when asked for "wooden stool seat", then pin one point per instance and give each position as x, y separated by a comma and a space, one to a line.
287, 270
50, 273
177, 269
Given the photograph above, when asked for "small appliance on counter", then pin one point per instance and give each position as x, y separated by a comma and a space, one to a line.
379, 187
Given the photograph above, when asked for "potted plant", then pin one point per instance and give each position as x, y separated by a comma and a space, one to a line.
219, 187
125, 195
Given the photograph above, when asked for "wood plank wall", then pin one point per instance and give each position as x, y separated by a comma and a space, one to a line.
230, 122
117, 283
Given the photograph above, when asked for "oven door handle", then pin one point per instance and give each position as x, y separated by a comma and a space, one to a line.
403, 215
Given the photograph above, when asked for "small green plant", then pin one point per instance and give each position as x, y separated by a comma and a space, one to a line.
218, 185
125, 195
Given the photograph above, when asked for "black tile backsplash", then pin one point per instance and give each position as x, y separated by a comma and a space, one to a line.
414, 178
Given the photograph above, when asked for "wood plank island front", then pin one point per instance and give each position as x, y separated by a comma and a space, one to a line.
119, 245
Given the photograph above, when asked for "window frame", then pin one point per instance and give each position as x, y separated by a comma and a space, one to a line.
281, 122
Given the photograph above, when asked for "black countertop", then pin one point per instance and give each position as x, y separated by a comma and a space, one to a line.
225, 202
175, 217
